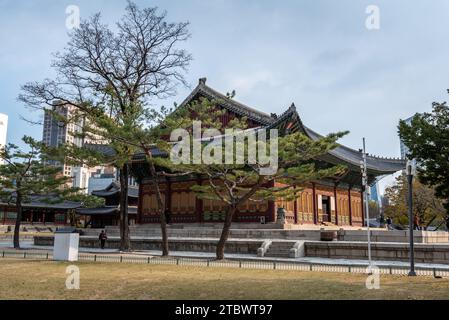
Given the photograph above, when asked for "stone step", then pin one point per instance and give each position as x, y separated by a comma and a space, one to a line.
277, 255
282, 247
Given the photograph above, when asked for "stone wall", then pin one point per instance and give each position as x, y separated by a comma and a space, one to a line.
394, 236
424, 253
195, 245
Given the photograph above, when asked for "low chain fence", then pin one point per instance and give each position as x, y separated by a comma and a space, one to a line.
240, 264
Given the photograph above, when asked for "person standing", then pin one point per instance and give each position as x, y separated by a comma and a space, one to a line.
102, 237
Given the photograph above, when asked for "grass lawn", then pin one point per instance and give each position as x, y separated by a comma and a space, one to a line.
29, 279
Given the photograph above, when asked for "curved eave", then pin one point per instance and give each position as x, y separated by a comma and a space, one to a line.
97, 211
376, 166
290, 120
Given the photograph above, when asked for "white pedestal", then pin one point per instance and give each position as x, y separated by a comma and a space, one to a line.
66, 246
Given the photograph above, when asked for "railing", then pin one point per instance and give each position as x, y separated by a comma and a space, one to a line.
240, 264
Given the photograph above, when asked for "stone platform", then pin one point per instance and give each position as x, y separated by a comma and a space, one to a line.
431, 247
239, 231
424, 253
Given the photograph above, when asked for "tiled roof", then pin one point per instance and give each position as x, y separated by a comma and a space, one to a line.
106, 210
114, 188
342, 153
290, 117
48, 202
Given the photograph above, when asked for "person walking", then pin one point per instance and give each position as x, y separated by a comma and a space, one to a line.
102, 237
416, 223
389, 223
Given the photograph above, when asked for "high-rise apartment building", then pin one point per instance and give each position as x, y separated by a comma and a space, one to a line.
57, 132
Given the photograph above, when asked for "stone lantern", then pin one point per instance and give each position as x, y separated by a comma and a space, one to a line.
280, 216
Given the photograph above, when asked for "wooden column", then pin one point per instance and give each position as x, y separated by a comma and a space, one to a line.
5, 212
315, 211
295, 209
336, 203
350, 207
199, 205
139, 205
272, 205
363, 208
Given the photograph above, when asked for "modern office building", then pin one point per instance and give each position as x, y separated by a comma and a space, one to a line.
101, 180
404, 149
374, 193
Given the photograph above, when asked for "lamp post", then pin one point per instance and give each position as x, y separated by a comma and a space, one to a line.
411, 170
364, 169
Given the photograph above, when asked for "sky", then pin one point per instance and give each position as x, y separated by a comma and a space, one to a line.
318, 54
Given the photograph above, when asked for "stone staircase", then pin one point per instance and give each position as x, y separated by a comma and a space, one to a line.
280, 249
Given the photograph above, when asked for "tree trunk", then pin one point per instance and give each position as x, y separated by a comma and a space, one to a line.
161, 207
18, 221
72, 218
225, 232
125, 242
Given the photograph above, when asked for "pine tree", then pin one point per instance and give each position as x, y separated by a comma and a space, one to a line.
25, 174
235, 182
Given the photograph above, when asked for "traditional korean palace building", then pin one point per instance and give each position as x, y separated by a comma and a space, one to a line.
108, 215
38, 211
337, 200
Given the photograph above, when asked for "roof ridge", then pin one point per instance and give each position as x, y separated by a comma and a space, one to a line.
287, 113
385, 158
230, 103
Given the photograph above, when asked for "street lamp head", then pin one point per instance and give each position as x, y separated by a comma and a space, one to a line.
411, 167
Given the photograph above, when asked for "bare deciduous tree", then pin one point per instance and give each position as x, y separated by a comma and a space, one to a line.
121, 72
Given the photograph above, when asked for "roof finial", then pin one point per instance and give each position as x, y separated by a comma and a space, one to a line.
293, 106
202, 80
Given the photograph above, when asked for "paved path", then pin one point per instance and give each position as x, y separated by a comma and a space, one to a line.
28, 245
